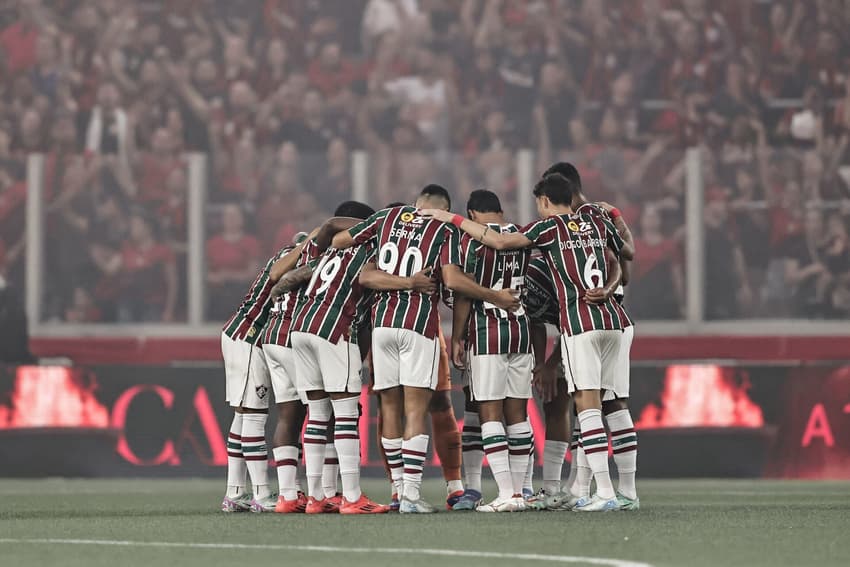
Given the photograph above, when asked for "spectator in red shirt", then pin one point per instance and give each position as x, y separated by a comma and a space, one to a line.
156, 165
330, 72
233, 258
658, 266
149, 275
18, 40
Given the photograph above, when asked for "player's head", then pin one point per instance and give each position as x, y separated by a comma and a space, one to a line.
434, 197
354, 210
569, 171
554, 193
483, 203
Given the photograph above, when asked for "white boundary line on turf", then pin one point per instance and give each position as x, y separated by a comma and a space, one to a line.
329, 549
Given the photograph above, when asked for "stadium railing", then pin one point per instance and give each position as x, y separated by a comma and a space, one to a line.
683, 197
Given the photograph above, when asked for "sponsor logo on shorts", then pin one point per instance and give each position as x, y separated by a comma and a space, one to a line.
262, 391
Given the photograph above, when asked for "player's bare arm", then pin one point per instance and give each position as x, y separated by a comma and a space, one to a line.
290, 259
626, 267
460, 283
322, 235
545, 374
480, 232
602, 294
332, 228
291, 280
342, 240
460, 321
628, 250
373, 278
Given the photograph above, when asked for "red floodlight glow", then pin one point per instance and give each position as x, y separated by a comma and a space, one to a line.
702, 396
53, 396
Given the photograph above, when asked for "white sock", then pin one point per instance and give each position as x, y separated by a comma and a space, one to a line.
392, 449
453, 486
583, 477
553, 462
330, 472
315, 438
574, 445
286, 461
236, 469
496, 447
413, 453
528, 483
299, 468
473, 451
594, 442
347, 441
256, 453
624, 444
519, 448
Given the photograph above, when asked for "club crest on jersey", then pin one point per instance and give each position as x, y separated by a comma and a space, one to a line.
261, 391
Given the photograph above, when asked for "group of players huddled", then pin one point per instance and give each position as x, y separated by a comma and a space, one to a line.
366, 285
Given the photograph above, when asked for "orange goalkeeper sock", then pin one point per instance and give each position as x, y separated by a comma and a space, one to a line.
446, 436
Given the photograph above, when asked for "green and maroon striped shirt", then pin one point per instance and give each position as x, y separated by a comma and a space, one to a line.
280, 318
330, 304
406, 243
574, 249
541, 299
493, 330
249, 320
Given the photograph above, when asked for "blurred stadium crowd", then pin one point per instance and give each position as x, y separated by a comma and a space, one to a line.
279, 92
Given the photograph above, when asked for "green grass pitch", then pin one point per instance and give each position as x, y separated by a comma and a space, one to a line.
175, 522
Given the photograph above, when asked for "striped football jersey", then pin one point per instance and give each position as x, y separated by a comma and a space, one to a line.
330, 304
493, 330
283, 312
249, 320
405, 243
574, 249
541, 299
595, 209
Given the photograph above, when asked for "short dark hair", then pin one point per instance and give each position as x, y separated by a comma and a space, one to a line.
557, 188
434, 190
483, 201
354, 209
566, 169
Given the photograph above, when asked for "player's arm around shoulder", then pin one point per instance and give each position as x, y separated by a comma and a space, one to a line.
373, 278
480, 232
460, 283
333, 227
292, 280
286, 262
359, 232
621, 229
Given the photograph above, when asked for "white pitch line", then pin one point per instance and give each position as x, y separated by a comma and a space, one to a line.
330, 549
